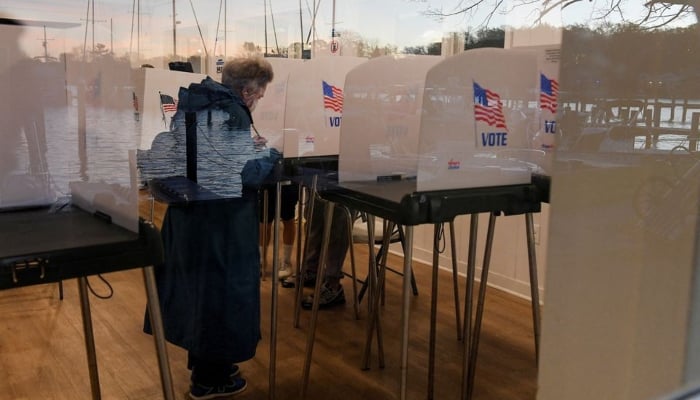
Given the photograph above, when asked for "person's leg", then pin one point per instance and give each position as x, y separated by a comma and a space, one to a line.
314, 222
288, 202
315, 237
337, 249
288, 236
332, 292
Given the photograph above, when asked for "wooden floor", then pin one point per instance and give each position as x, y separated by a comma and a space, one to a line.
42, 353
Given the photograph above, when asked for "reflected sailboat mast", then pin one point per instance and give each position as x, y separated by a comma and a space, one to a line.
301, 31
174, 32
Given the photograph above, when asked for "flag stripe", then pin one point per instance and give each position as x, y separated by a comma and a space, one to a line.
488, 107
332, 97
549, 91
168, 103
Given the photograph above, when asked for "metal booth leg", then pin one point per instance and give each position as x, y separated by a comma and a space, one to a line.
534, 285
301, 266
433, 311
275, 291
156, 318
311, 335
471, 267
375, 281
455, 280
405, 312
474, 345
263, 235
89, 339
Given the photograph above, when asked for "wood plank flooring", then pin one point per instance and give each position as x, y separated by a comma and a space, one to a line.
42, 353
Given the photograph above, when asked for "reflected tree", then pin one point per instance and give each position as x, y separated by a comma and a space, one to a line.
657, 12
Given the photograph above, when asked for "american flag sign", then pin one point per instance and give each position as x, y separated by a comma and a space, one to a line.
488, 107
549, 91
168, 103
332, 97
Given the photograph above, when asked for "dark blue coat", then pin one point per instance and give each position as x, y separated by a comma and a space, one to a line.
209, 284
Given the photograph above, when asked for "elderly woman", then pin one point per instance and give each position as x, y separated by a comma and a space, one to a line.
209, 284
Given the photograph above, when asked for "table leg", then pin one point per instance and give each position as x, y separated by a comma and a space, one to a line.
311, 336
355, 303
263, 235
275, 291
534, 285
471, 267
381, 283
408, 255
89, 338
373, 301
376, 282
480, 303
433, 310
156, 319
455, 280
300, 223
301, 268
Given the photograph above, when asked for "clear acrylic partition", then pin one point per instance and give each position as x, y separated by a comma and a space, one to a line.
624, 202
270, 112
314, 110
68, 121
381, 121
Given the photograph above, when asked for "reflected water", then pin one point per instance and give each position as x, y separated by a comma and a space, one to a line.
109, 136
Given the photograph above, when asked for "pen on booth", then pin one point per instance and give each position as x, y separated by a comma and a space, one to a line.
395, 177
255, 130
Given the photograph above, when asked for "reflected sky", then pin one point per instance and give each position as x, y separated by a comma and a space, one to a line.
146, 27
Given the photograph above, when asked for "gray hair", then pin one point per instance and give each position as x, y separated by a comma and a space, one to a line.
246, 73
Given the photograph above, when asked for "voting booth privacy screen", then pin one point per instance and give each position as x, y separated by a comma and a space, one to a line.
476, 105
381, 121
468, 120
314, 106
67, 128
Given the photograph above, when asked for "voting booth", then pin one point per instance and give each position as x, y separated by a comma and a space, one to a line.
314, 106
427, 139
447, 123
68, 192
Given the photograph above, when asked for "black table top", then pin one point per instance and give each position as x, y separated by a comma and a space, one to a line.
400, 202
41, 246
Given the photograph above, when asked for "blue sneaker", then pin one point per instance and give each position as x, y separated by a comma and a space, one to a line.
201, 392
235, 371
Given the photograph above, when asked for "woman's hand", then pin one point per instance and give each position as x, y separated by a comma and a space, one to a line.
259, 141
